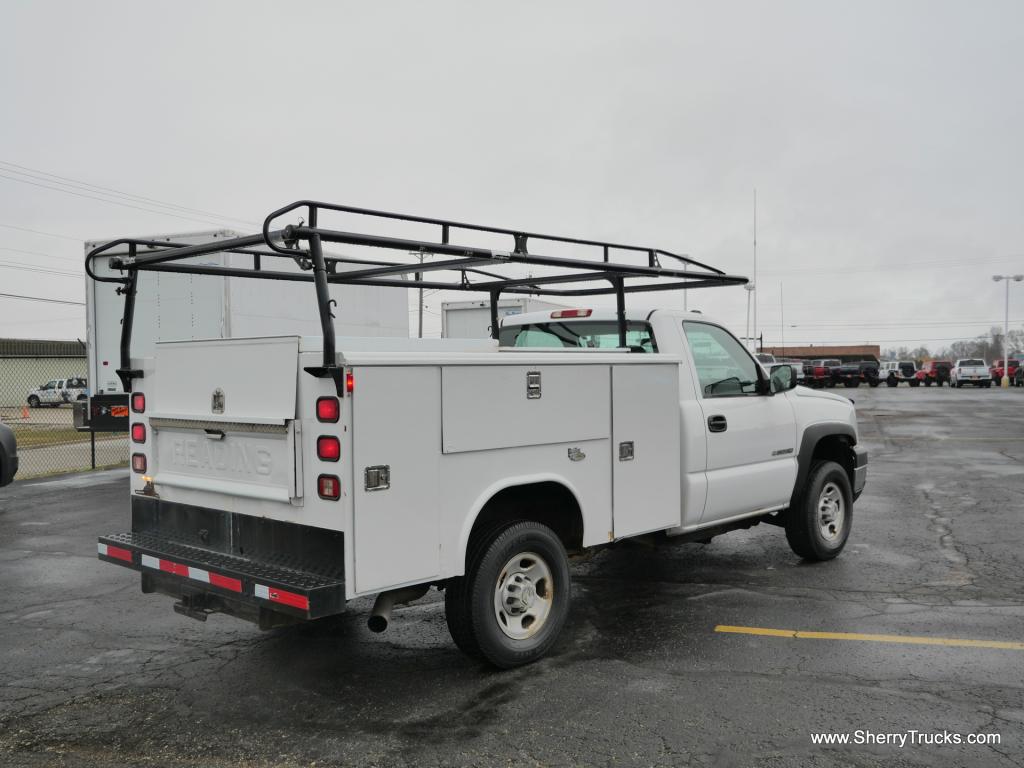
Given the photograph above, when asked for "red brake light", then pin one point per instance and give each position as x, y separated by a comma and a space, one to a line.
559, 313
139, 462
329, 487
328, 448
350, 382
139, 402
328, 409
138, 433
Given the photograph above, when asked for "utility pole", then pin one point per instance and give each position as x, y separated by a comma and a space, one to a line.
419, 279
782, 320
1006, 326
755, 262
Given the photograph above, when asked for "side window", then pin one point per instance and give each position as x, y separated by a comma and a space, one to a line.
724, 367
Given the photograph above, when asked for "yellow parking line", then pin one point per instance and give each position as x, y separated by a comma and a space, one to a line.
904, 639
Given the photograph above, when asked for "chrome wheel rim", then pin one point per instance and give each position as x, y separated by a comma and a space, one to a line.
523, 595
831, 512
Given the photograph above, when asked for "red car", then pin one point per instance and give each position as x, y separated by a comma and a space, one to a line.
935, 372
997, 369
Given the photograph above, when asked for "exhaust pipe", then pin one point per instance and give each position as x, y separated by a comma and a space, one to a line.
380, 616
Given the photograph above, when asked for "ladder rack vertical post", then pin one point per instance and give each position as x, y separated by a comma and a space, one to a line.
323, 293
494, 314
620, 308
124, 372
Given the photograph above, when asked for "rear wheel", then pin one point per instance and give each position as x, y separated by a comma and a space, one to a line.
512, 603
891, 382
819, 525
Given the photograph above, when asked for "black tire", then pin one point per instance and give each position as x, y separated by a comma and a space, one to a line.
891, 382
804, 521
470, 600
959, 384
33, 401
874, 383
914, 383
927, 382
988, 385
82, 397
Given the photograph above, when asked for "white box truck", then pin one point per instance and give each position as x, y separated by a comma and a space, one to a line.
363, 467
472, 319
177, 307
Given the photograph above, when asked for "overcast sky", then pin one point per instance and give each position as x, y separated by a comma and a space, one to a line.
884, 140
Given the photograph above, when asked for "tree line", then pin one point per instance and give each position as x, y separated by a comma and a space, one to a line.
987, 346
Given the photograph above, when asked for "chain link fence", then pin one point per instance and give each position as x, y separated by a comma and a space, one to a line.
36, 396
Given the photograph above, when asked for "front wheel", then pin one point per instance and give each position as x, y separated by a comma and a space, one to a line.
819, 525
512, 603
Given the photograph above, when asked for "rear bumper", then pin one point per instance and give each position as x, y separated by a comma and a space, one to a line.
860, 469
216, 561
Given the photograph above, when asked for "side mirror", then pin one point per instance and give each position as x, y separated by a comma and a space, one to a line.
783, 378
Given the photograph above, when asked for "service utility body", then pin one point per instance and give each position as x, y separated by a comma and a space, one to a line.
383, 467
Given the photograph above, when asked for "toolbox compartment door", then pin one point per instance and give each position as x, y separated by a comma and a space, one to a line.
645, 448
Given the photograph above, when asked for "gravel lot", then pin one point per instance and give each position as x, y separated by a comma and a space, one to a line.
96, 674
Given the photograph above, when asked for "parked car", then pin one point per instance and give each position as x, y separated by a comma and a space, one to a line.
58, 391
820, 373
1018, 377
935, 372
970, 371
8, 455
895, 371
996, 370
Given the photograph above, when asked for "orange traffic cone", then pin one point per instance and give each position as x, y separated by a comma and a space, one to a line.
24, 412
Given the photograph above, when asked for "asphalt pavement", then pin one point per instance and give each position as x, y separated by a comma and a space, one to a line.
94, 673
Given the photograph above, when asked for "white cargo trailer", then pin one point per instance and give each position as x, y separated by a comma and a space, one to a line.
472, 319
179, 307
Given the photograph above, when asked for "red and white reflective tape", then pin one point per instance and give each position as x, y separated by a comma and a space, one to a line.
275, 595
189, 572
115, 552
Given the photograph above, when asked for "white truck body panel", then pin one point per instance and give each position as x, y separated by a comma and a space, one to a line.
453, 426
177, 307
472, 319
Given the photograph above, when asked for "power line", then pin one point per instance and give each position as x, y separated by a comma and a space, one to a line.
45, 255
31, 268
40, 298
40, 232
54, 178
112, 202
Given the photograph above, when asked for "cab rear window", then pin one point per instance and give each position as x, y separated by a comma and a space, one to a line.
584, 334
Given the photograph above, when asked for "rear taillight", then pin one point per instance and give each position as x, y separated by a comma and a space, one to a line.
329, 487
328, 448
328, 409
138, 433
139, 463
560, 313
139, 402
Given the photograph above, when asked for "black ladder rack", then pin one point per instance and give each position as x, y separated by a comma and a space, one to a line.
303, 243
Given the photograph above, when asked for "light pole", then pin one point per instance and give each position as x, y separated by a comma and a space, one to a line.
1006, 326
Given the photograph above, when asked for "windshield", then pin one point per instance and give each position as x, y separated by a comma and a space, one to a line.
976, 363
587, 334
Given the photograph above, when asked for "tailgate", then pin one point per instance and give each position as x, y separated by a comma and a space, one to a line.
223, 418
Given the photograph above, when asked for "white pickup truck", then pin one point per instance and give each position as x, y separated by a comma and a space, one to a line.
972, 371
364, 467
58, 391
